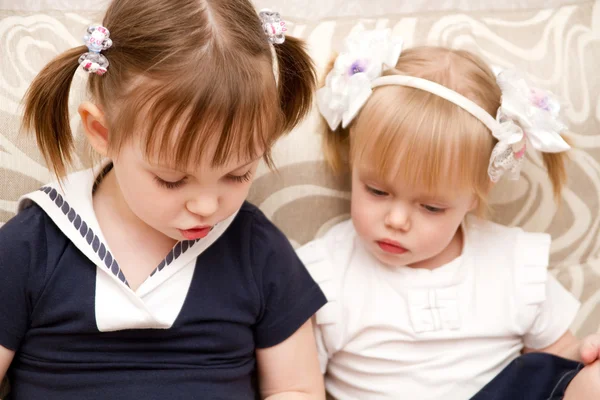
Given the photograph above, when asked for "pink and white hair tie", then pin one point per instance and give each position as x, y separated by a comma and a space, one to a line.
96, 40
273, 26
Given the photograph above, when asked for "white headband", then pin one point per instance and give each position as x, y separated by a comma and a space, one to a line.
525, 112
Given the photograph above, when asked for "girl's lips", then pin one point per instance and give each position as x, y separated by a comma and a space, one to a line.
195, 233
389, 246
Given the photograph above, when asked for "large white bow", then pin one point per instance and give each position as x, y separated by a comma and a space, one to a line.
526, 115
348, 85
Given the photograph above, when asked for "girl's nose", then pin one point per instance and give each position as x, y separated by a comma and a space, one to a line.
204, 205
398, 218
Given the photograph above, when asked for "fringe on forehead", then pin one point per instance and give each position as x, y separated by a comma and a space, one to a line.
226, 114
421, 140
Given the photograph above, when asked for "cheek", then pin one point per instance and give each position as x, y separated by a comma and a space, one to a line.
439, 233
135, 184
362, 211
234, 195
143, 196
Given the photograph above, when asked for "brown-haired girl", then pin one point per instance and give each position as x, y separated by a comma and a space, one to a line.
427, 299
150, 276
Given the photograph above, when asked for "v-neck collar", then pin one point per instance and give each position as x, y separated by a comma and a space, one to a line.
70, 205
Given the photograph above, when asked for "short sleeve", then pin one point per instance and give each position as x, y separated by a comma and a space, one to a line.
319, 264
22, 244
290, 296
555, 308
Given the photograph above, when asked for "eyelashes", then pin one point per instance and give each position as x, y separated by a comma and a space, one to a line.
175, 185
169, 184
433, 210
376, 192
241, 178
380, 193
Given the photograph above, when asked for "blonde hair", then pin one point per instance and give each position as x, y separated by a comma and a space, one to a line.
186, 73
424, 139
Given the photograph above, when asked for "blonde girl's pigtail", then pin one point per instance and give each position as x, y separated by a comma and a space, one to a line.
336, 147
47, 109
557, 171
335, 143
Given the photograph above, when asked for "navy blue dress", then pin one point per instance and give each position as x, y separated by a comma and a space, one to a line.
246, 290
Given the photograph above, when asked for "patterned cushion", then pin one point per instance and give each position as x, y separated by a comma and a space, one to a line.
559, 48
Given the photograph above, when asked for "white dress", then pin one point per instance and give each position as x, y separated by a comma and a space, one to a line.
404, 333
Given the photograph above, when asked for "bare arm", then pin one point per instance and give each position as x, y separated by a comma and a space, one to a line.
568, 346
6, 357
290, 370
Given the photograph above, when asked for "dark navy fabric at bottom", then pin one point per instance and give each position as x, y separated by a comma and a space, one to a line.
249, 290
533, 376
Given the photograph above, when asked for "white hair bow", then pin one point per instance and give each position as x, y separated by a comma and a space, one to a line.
526, 115
348, 85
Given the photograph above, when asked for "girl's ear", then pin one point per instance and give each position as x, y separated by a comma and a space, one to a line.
94, 124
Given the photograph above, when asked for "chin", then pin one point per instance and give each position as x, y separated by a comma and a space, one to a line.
174, 235
388, 260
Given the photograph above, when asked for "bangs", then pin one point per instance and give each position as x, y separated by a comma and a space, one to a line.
222, 113
422, 140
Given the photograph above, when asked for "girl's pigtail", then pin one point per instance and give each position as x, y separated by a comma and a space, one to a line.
557, 171
336, 147
336, 144
47, 110
297, 80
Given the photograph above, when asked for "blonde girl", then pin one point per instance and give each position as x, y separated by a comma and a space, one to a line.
149, 276
427, 299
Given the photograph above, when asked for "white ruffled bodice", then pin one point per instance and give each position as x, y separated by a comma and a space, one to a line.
389, 333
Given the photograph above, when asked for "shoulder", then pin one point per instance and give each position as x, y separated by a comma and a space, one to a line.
259, 233
525, 255
287, 293
490, 236
269, 251
24, 247
329, 254
253, 235
339, 238
28, 227
489, 230
31, 238
327, 259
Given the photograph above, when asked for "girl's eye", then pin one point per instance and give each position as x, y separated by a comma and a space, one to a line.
376, 192
169, 184
432, 209
240, 178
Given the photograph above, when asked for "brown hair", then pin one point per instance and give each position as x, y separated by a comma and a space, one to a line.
195, 70
424, 139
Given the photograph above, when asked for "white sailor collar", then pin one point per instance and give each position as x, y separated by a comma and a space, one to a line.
157, 302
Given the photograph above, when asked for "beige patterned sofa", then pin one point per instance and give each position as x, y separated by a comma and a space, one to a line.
558, 47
